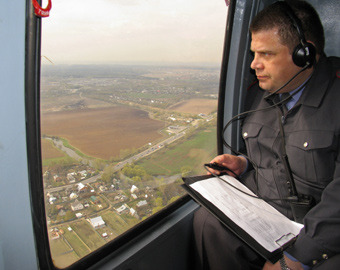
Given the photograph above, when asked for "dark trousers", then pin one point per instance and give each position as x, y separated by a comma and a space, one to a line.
218, 248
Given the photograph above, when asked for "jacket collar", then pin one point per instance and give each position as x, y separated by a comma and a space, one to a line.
318, 84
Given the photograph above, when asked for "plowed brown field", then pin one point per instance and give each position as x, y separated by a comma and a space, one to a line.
102, 132
49, 151
196, 106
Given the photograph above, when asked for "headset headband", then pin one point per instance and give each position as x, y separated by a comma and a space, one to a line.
304, 53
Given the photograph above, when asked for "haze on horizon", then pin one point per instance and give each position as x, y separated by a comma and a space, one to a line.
132, 31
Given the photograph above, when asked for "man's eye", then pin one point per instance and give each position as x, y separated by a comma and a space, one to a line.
267, 54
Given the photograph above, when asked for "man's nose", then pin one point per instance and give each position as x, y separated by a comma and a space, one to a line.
256, 63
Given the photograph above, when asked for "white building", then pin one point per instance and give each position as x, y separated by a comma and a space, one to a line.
73, 196
134, 189
52, 199
81, 187
142, 203
97, 222
70, 177
132, 212
76, 206
122, 209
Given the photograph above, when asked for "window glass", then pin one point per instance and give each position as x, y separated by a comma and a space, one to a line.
128, 106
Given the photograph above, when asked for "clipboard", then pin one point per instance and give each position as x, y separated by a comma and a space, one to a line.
282, 241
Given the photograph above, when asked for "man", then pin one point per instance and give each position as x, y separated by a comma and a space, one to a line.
307, 129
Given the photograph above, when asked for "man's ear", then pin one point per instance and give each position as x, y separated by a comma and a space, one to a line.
311, 42
317, 55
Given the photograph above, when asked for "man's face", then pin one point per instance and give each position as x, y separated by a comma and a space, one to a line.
273, 62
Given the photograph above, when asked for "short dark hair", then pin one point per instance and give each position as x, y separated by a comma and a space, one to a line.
275, 16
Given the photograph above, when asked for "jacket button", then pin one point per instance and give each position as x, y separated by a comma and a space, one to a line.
324, 256
315, 262
245, 135
305, 145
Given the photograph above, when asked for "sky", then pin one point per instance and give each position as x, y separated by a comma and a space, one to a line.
133, 31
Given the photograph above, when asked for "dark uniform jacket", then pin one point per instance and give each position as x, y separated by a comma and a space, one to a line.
312, 129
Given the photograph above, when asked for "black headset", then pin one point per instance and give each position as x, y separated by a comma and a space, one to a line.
304, 53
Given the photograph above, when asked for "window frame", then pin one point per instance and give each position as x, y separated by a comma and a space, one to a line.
33, 135
32, 106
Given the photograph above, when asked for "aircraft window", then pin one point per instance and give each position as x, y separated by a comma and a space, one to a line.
128, 106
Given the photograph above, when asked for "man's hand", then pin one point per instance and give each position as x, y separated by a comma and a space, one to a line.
290, 264
238, 164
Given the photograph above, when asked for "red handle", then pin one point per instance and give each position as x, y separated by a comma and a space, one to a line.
42, 12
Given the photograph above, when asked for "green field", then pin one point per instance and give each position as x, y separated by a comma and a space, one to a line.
88, 235
118, 224
62, 253
192, 152
79, 247
52, 155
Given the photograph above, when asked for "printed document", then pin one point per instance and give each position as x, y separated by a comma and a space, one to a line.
260, 220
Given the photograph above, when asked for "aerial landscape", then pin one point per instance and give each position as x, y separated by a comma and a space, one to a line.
116, 140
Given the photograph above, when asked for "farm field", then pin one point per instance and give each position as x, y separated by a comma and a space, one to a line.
193, 152
196, 106
103, 132
49, 151
62, 254
83, 239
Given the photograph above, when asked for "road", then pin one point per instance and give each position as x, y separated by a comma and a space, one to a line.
86, 181
59, 144
149, 151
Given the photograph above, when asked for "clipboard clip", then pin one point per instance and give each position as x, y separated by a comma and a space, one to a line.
286, 240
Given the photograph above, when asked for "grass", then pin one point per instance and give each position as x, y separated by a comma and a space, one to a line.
79, 248
88, 235
52, 154
117, 223
193, 152
62, 254
78, 152
83, 239
61, 160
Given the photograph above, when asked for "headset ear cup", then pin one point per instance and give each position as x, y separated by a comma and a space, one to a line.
304, 55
